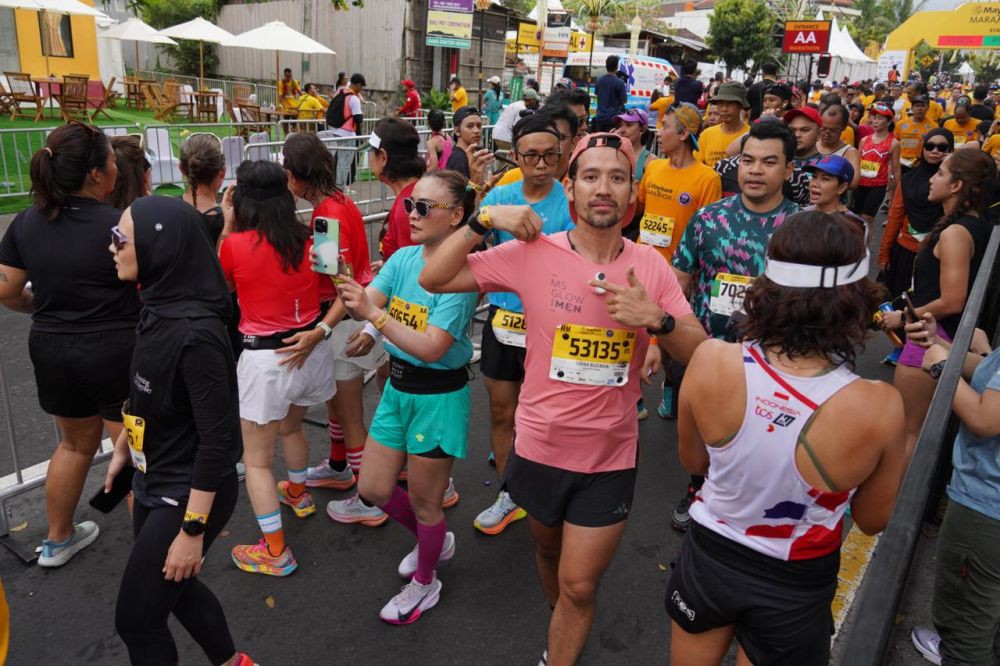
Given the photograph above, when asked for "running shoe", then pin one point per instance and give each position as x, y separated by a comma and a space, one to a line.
324, 476
641, 412
545, 659
408, 565
495, 519
491, 460
414, 598
302, 505
451, 495
243, 659
241, 471
58, 553
667, 409
681, 518
892, 358
353, 510
256, 558
928, 643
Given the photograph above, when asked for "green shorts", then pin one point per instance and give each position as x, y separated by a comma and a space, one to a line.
417, 424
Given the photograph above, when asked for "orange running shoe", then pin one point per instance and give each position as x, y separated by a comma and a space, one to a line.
302, 505
256, 558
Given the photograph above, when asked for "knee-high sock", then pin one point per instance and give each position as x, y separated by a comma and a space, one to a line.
430, 538
399, 508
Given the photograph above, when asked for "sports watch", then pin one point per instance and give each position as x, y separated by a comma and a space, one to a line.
935, 370
194, 526
666, 325
326, 328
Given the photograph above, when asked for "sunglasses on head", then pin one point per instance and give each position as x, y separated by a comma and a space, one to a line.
937, 148
424, 207
118, 239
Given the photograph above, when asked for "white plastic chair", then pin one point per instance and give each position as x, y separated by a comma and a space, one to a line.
164, 167
256, 153
232, 151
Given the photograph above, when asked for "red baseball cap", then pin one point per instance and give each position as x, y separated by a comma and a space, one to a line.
604, 140
807, 111
408, 83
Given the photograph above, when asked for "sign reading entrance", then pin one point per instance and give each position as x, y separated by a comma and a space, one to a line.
806, 37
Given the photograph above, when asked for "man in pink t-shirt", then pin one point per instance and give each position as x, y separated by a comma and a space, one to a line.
591, 301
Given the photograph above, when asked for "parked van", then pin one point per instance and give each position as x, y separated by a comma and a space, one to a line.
645, 73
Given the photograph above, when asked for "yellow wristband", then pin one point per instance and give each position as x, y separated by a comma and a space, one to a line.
380, 323
473, 186
484, 217
198, 517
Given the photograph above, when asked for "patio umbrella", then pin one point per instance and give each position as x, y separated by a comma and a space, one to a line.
201, 31
135, 30
265, 37
73, 7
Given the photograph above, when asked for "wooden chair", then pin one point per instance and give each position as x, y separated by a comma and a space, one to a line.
133, 92
162, 109
106, 102
6, 101
73, 97
23, 92
253, 122
242, 92
206, 107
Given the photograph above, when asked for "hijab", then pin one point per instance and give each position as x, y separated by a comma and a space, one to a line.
921, 213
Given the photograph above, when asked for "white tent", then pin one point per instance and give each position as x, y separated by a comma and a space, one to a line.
848, 60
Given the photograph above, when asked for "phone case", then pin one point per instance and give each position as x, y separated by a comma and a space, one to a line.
326, 246
120, 487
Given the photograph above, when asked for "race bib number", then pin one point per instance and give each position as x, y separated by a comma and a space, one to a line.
509, 328
869, 169
591, 355
728, 291
409, 314
656, 230
135, 427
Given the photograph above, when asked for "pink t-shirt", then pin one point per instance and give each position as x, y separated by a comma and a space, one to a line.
577, 427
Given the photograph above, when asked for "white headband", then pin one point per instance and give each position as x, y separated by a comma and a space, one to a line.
804, 275
374, 141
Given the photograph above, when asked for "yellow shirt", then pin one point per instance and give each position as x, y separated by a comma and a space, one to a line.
992, 145
910, 135
660, 106
867, 101
459, 98
963, 132
312, 108
712, 144
815, 96
671, 196
512, 175
847, 136
288, 91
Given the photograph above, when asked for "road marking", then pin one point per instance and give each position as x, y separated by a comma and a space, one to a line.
855, 554
42, 468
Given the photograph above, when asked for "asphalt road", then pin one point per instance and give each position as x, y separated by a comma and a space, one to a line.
491, 610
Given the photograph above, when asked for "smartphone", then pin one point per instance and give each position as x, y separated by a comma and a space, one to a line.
120, 487
911, 312
508, 163
326, 245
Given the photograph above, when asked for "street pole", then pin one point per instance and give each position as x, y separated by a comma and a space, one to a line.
482, 33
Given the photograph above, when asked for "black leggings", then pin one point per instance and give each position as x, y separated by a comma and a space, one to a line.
146, 599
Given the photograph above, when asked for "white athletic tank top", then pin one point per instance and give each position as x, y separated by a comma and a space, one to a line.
754, 494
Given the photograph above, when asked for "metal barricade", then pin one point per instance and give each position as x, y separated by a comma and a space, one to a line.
873, 614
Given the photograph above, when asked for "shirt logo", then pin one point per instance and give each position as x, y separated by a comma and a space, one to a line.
142, 384
784, 420
681, 605
684, 198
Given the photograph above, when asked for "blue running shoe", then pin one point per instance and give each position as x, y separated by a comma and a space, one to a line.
893, 357
667, 409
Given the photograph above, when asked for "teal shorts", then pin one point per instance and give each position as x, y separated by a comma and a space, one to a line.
418, 424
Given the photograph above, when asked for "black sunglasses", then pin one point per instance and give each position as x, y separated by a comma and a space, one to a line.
424, 207
937, 147
118, 239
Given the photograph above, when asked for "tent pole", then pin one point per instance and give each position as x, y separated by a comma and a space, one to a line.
137, 58
201, 61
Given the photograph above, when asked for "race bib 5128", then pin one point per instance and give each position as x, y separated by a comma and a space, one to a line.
509, 328
410, 314
591, 355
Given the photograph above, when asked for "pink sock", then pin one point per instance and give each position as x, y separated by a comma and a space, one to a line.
399, 508
430, 538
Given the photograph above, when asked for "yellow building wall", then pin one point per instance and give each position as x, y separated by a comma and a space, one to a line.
29, 47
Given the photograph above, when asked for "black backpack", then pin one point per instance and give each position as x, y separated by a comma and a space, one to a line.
335, 114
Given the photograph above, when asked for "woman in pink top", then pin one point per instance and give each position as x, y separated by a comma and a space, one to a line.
439, 144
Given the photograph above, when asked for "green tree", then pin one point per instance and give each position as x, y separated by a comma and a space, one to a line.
164, 13
740, 31
522, 7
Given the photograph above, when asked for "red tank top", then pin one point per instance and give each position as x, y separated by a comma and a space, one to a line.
875, 162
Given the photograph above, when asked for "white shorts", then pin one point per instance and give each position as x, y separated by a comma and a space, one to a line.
352, 367
267, 389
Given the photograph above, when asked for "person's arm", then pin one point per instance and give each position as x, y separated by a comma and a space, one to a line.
302, 344
955, 248
854, 157
691, 446
13, 294
894, 222
448, 270
979, 413
354, 104
876, 496
895, 172
923, 333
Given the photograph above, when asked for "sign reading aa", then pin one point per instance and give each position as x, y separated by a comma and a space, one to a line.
806, 37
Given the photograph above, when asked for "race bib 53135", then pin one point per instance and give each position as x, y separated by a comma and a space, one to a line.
591, 355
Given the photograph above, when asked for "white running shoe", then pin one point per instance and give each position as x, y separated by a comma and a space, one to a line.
353, 510
407, 606
928, 643
408, 565
502, 513
450, 497
324, 476
58, 553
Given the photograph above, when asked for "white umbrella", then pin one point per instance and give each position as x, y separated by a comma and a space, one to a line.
73, 7
199, 30
135, 30
276, 32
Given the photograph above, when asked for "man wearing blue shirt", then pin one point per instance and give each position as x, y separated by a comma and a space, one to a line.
611, 96
537, 151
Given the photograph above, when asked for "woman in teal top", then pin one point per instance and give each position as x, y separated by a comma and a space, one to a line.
492, 101
422, 420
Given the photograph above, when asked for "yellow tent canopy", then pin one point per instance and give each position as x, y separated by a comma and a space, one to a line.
970, 26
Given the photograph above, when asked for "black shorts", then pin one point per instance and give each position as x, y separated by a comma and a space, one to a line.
499, 361
82, 374
780, 610
867, 200
552, 495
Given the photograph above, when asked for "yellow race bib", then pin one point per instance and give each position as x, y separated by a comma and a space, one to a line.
135, 427
656, 230
410, 314
591, 355
509, 328
728, 291
869, 169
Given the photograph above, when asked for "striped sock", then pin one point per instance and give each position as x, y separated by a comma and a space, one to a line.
274, 535
338, 452
297, 482
354, 459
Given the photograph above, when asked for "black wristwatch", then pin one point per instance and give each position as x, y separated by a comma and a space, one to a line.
935, 370
666, 325
193, 527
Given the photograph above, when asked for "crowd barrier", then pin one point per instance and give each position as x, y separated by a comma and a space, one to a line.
265, 95
872, 616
